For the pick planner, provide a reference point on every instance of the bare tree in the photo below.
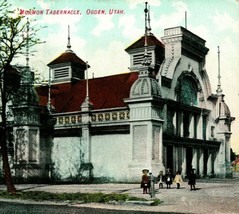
(13, 42)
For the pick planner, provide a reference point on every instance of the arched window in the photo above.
(188, 91)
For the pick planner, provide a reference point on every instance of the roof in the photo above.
(104, 92)
(67, 56)
(151, 41)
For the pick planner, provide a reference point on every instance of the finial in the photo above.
(146, 61)
(149, 27)
(69, 40)
(87, 86)
(27, 45)
(219, 90)
(186, 19)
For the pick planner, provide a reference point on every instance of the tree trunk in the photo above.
(6, 168)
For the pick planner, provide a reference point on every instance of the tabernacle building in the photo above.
(161, 114)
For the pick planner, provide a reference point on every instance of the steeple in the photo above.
(146, 61)
(27, 46)
(87, 105)
(219, 89)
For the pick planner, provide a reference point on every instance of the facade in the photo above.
(161, 114)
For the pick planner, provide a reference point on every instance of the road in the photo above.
(22, 208)
(214, 196)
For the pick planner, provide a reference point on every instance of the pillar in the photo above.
(201, 163)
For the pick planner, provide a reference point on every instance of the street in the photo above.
(214, 196)
(22, 208)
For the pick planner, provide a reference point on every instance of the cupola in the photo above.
(155, 50)
(68, 67)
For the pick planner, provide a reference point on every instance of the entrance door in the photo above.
(170, 158)
(189, 158)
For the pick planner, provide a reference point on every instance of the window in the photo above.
(204, 127)
(195, 125)
(212, 131)
(188, 92)
(170, 126)
(186, 124)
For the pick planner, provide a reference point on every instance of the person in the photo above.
(145, 181)
(168, 178)
(192, 180)
(178, 179)
(161, 179)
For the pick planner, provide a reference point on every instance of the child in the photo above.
(178, 179)
(161, 179)
(192, 180)
(168, 178)
(145, 181)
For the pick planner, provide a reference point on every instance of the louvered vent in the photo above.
(61, 73)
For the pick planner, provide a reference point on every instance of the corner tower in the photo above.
(145, 117)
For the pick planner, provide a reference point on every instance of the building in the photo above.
(161, 114)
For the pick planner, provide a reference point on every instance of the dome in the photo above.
(144, 87)
(225, 111)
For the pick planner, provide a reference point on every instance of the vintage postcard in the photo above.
(124, 96)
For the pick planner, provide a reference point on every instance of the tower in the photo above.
(26, 127)
(223, 121)
(145, 117)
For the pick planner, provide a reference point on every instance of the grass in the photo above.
(73, 197)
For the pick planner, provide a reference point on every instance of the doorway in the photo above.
(170, 158)
(189, 158)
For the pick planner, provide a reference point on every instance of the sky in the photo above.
(101, 39)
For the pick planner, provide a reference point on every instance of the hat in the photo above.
(145, 170)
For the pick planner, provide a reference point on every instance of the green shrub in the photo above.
(71, 197)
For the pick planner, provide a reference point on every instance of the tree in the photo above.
(16, 38)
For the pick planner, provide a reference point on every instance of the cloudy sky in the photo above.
(101, 39)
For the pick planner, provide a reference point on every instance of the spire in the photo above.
(69, 41)
(219, 90)
(87, 82)
(27, 46)
(49, 105)
(149, 27)
(186, 19)
(147, 32)
(87, 105)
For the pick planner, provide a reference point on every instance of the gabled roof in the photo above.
(104, 92)
(67, 56)
(151, 41)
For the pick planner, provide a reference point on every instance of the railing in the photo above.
(75, 119)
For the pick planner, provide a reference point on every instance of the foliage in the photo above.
(72, 197)
(233, 155)
(156, 202)
(16, 38)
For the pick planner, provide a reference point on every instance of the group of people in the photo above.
(167, 179)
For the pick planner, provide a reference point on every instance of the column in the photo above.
(209, 164)
(184, 164)
(194, 160)
(201, 163)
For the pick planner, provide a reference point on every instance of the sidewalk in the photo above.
(214, 196)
